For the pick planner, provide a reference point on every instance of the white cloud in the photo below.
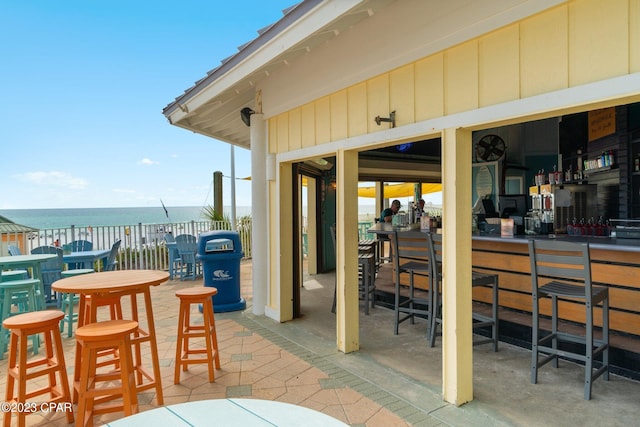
(53, 179)
(148, 162)
(123, 191)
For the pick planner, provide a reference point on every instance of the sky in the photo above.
(82, 88)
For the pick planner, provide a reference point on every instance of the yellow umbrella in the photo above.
(399, 190)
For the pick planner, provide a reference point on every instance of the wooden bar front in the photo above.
(614, 263)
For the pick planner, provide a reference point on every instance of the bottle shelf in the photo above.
(600, 170)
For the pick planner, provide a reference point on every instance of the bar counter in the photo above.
(614, 262)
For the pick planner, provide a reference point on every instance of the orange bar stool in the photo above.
(99, 388)
(93, 303)
(22, 371)
(68, 301)
(187, 331)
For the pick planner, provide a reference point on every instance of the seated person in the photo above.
(419, 209)
(387, 214)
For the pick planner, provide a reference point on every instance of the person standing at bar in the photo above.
(387, 214)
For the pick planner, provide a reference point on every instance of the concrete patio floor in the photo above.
(394, 380)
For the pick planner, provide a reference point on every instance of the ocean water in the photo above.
(65, 218)
(62, 218)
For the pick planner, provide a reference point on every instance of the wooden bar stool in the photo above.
(69, 300)
(51, 363)
(98, 388)
(187, 330)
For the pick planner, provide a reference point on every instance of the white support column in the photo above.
(457, 344)
(259, 209)
(347, 302)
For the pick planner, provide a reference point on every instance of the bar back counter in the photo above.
(614, 262)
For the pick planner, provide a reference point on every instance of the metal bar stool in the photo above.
(372, 245)
(478, 279)
(98, 388)
(561, 270)
(412, 248)
(367, 271)
(23, 371)
(187, 330)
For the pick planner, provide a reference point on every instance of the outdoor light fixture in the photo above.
(245, 115)
(391, 119)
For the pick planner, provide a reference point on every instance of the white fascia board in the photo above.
(308, 24)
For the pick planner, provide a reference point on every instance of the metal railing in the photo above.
(142, 245)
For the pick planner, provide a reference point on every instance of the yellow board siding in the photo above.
(308, 125)
(429, 84)
(357, 108)
(323, 120)
(461, 78)
(377, 102)
(573, 44)
(634, 36)
(282, 132)
(402, 90)
(499, 67)
(295, 129)
(339, 116)
(273, 135)
(544, 50)
(598, 47)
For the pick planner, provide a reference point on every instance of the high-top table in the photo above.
(230, 412)
(117, 284)
(87, 258)
(28, 262)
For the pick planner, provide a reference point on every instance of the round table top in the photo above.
(107, 281)
(27, 258)
(230, 412)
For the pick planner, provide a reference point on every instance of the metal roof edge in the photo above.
(291, 15)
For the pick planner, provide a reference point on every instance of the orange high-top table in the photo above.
(109, 284)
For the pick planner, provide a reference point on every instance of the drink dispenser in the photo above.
(540, 219)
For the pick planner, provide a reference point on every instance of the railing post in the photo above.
(139, 245)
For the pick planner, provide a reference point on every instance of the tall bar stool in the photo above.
(478, 279)
(562, 270)
(10, 275)
(367, 272)
(371, 245)
(22, 294)
(187, 330)
(98, 388)
(21, 371)
(413, 249)
(68, 301)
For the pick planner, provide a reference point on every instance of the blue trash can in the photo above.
(220, 253)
